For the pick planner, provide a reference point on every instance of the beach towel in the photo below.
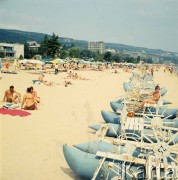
(11, 106)
(14, 112)
(8, 72)
(36, 82)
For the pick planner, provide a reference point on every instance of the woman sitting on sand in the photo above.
(29, 101)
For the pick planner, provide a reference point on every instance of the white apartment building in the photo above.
(96, 46)
(12, 50)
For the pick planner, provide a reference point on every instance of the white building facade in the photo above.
(12, 50)
(97, 46)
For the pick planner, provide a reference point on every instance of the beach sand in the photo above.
(31, 147)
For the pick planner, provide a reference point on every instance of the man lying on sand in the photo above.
(42, 81)
(76, 76)
(67, 83)
(11, 95)
(29, 101)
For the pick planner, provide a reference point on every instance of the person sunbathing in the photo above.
(67, 83)
(153, 100)
(76, 76)
(11, 95)
(29, 101)
(41, 78)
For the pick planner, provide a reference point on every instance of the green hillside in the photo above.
(16, 36)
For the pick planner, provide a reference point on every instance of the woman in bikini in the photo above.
(29, 101)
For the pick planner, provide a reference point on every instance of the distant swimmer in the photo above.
(11, 95)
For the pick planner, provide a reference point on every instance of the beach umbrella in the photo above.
(81, 61)
(36, 62)
(87, 62)
(24, 61)
(58, 61)
(97, 63)
(54, 61)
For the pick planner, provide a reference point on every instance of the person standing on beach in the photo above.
(0, 64)
(7, 66)
(56, 69)
(15, 65)
(9, 95)
(152, 71)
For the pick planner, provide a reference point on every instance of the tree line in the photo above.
(50, 47)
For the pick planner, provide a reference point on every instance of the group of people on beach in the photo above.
(75, 76)
(30, 99)
(16, 66)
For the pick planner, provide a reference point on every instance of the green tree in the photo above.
(107, 56)
(138, 58)
(64, 54)
(53, 46)
(26, 51)
(43, 50)
(33, 53)
(98, 57)
(2, 54)
(116, 57)
(85, 53)
(21, 57)
(74, 52)
(149, 60)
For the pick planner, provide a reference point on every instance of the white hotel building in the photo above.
(96, 46)
(12, 50)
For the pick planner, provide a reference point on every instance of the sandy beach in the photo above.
(31, 147)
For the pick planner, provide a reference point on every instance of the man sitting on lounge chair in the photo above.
(153, 100)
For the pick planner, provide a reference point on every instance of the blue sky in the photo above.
(143, 23)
